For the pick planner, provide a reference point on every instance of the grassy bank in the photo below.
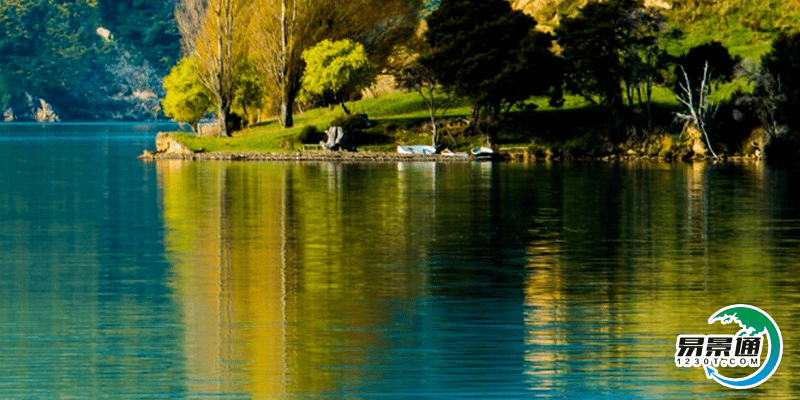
(402, 118)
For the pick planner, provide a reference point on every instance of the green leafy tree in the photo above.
(340, 68)
(592, 47)
(187, 99)
(613, 50)
(286, 28)
(249, 93)
(783, 64)
(492, 55)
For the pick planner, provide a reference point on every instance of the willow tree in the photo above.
(212, 32)
(286, 28)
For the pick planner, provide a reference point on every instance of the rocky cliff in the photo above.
(26, 108)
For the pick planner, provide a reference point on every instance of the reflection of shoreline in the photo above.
(330, 275)
(264, 270)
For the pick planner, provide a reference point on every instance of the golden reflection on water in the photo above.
(286, 273)
(273, 290)
(682, 258)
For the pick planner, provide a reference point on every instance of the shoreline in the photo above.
(168, 148)
(344, 156)
(375, 156)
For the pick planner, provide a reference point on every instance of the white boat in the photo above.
(417, 149)
(447, 152)
(482, 153)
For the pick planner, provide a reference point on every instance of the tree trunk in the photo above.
(285, 109)
(435, 140)
(344, 107)
(474, 116)
(224, 113)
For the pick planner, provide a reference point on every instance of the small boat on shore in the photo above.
(417, 150)
(483, 153)
(447, 152)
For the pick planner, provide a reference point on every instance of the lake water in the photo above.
(124, 279)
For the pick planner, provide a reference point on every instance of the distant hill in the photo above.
(89, 59)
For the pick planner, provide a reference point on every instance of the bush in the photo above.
(352, 124)
(310, 135)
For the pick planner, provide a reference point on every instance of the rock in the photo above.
(336, 139)
(167, 145)
(46, 112)
(698, 146)
(27, 108)
(146, 155)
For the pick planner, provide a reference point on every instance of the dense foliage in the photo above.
(146, 25)
(783, 63)
(53, 49)
(49, 46)
(611, 49)
(338, 68)
(187, 100)
(719, 61)
(487, 52)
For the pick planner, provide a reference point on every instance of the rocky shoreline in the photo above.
(168, 148)
(346, 156)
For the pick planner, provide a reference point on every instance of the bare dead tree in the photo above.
(423, 80)
(766, 99)
(283, 31)
(699, 109)
(769, 101)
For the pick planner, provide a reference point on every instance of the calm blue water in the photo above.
(129, 279)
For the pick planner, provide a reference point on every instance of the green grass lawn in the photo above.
(398, 113)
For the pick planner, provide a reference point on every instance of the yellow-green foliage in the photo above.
(187, 100)
(335, 66)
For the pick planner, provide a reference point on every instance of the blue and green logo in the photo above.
(740, 350)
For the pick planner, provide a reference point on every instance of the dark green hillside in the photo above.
(147, 25)
(51, 50)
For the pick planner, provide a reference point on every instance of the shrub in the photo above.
(352, 124)
(310, 135)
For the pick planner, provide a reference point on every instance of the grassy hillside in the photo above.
(745, 26)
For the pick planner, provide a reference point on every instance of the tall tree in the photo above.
(421, 79)
(286, 28)
(212, 33)
(612, 50)
(783, 63)
(487, 52)
(721, 65)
